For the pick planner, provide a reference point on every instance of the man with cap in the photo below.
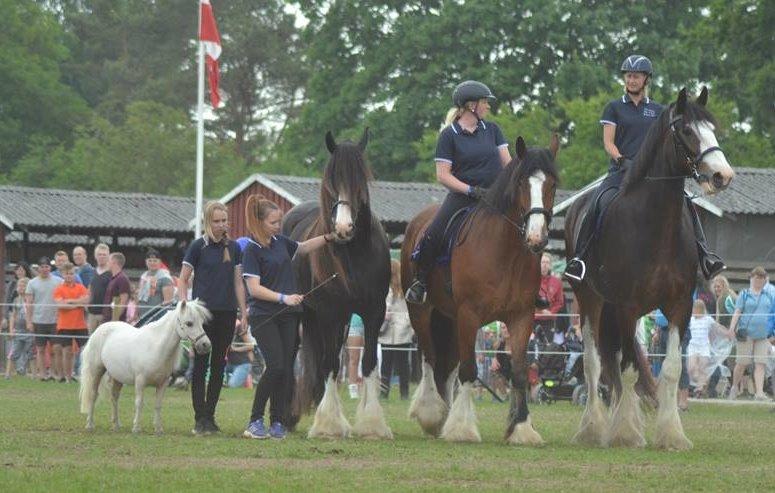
(626, 121)
(42, 312)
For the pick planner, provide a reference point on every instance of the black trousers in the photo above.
(604, 195)
(395, 356)
(278, 340)
(432, 245)
(220, 330)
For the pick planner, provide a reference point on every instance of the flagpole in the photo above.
(200, 127)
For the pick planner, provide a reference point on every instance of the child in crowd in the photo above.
(71, 298)
(21, 340)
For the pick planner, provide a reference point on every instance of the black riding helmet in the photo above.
(636, 63)
(471, 90)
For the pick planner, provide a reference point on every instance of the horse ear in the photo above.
(521, 148)
(330, 142)
(702, 99)
(680, 104)
(364, 139)
(182, 305)
(554, 145)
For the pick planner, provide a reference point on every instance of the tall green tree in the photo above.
(35, 102)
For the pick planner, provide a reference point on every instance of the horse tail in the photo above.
(91, 365)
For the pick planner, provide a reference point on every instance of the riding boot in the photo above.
(576, 268)
(710, 263)
(417, 292)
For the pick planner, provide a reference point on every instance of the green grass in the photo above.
(43, 447)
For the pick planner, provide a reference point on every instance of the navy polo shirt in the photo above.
(272, 265)
(475, 157)
(632, 122)
(214, 277)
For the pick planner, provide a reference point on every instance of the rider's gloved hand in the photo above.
(477, 192)
(624, 162)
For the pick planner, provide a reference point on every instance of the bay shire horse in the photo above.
(645, 257)
(360, 257)
(494, 274)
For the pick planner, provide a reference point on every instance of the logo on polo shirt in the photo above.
(649, 113)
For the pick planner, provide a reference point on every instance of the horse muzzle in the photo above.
(203, 345)
(537, 246)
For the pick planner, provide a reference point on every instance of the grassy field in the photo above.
(43, 447)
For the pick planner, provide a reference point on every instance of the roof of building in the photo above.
(393, 201)
(73, 211)
(751, 192)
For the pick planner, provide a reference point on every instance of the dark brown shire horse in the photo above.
(361, 259)
(495, 275)
(645, 257)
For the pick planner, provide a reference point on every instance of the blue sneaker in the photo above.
(255, 430)
(277, 430)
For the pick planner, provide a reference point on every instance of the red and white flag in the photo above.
(208, 35)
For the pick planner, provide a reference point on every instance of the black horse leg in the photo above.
(520, 430)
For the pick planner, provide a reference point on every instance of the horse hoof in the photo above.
(90, 427)
(525, 434)
(377, 430)
(136, 430)
(328, 434)
(675, 442)
(461, 435)
(159, 432)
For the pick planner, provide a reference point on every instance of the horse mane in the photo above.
(654, 149)
(503, 194)
(201, 314)
(346, 173)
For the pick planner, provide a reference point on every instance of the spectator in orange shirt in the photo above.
(550, 297)
(71, 298)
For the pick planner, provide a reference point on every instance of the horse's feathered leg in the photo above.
(369, 417)
(520, 430)
(669, 430)
(594, 421)
(329, 420)
(461, 425)
(427, 406)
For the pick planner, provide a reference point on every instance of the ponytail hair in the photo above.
(456, 112)
(210, 209)
(257, 209)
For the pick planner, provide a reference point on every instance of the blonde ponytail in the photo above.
(257, 209)
(452, 115)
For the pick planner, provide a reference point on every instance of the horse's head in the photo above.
(189, 320)
(528, 184)
(345, 188)
(693, 131)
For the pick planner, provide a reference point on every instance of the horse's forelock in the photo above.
(504, 192)
(346, 173)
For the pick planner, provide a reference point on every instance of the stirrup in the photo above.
(574, 277)
(417, 298)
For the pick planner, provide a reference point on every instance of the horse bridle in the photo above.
(521, 224)
(693, 159)
(193, 340)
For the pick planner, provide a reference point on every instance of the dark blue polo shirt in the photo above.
(214, 277)
(272, 265)
(632, 122)
(475, 157)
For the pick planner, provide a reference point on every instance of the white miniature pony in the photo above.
(141, 356)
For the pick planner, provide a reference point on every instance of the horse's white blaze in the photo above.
(427, 407)
(669, 430)
(716, 161)
(329, 418)
(594, 421)
(536, 223)
(343, 220)
(628, 422)
(369, 417)
(461, 423)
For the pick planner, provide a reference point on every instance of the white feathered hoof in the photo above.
(627, 424)
(369, 417)
(461, 423)
(525, 434)
(593, 425)
(670, 436)
(427, 407)
(329, 421)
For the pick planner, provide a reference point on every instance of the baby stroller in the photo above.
(561, 375)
